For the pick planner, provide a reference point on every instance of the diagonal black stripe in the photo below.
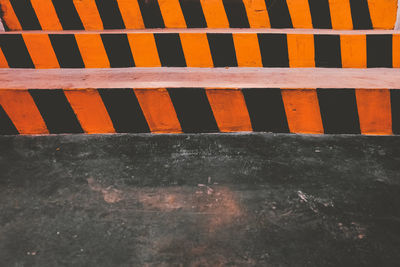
(6, 125)
(56, 111)
(67, 14)
(26, 14)
(274, 50)
(193, 110)
(110, 14)
(395, 104)
(339, 111)
(327, 51)
(169, 49)
(278, 13)
(15, 51)
(379, 51)
(360, 14)
(193, 13)
(222, 49)
(118, 50)
(151, 14)
(236, 13)
(266, 110)
(320, 14)
(66, 50)
(124, 110)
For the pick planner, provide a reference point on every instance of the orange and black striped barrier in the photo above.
(139, 14)
(188, 49)
(200, 110)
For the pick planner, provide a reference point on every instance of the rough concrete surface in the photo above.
(199, 200)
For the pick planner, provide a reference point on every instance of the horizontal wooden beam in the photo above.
(200, 77)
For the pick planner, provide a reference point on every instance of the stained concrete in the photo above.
(199, 200)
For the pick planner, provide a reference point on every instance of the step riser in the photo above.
(132, 14)
(199, 110)
(40, 50)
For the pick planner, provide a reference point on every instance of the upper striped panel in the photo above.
(138, 14)
(194, 49)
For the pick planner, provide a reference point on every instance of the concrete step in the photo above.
(175, 100)
(138, 14)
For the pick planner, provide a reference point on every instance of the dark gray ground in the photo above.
(199, 200)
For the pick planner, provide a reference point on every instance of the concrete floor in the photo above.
(199, 200)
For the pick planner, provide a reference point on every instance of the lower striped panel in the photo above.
(194, 49)
(200, 110)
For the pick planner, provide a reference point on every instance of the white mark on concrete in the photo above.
(397, 24)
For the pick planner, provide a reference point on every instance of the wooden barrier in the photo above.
(138, 14)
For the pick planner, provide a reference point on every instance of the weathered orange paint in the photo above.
(214, 13)
(158, 110)
(300, 13)
(302, 111)
(89, 14)
(172, 13)
(144, 50)
(257, 13)
(41, 50)
(301, 50)
(20, 107)
(46, 14)
(131, 14)
(396, 50)
(383, 13)
(92, 51)
(196, 50)
(230, 110)
(374, 111)
(247, 49)
(90, 111)
(341, 14)
(3, 60)
(354, 51)
(9, 16)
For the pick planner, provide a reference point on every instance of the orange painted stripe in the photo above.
(131, 14)
(300, 13)
(214, 13)
(90, 111)
(301, 50)
(92, 50)
(89, 14)
(396, 51)
(41, 50)
(20, 107)
(46, 14)
(9, 16)
(3, 60)
(354, 51)
(230, 110)
(158, 110)
(341, 14)
(257, 13)
(383, 13)
(196, 50)
(172, 13)
(247, 50)
(144, 50)
(302, 111)
(374, 111)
